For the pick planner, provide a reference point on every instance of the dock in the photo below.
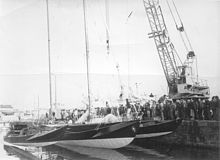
(193, 133)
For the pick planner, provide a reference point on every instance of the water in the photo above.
(131, 152)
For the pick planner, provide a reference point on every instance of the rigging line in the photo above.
(178, 56)
(107, 30)
(172, 13)
(177, 12)
(182, 25)
(108, 25)
(177, 26)
(197, 74)
(97, 34)
(128, 60)
(184, 43)
(188, 41)
(103, 18)
(119, 77)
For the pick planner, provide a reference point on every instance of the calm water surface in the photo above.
(131, 152)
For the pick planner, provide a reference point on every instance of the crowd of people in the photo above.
(67, 116)
(167, 109)
(163, 109)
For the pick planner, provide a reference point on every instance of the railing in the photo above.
(199, 82)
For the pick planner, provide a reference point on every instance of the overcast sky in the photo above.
(23, 36)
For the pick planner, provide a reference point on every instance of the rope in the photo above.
(106, 24)
(177, 12)
(177, 55)
(179, 32)
(188, 41)
(187, 38)
(184, 42)
(182, 25)
(197, 74)
(172, 13)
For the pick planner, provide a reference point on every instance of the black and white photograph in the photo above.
(109, 79)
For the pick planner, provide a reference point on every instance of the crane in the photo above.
(180, 77)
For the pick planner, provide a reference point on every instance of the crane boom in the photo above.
(164, 46)
(179, 77)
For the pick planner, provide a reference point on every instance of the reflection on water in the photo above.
(131, 152)
(54, 152)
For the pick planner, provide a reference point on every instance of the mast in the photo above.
(49, 61)
(55, 90)
(38, 105)
(87, 56)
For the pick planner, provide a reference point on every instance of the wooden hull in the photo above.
(28, 144)
(112, 136)
(110, 143)
(150, 129)
(115, 135)
(147, 129)
(36, 139)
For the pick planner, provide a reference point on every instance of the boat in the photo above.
(147, 128)
(21, 132)
(150, 129)
(111, 135)
(115, 135)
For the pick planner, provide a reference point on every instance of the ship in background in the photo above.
(6, 110)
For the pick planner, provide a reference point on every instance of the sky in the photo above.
(23, 42)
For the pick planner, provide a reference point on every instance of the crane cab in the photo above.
(187, 84)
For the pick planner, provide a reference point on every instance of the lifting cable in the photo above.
(184, 43)
(182, 29)
(177, 55)
(182, 25)
(172, 14)
(179, 32)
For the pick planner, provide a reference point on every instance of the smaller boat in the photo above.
(146, 129)
(21, 133)
(149, 129)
